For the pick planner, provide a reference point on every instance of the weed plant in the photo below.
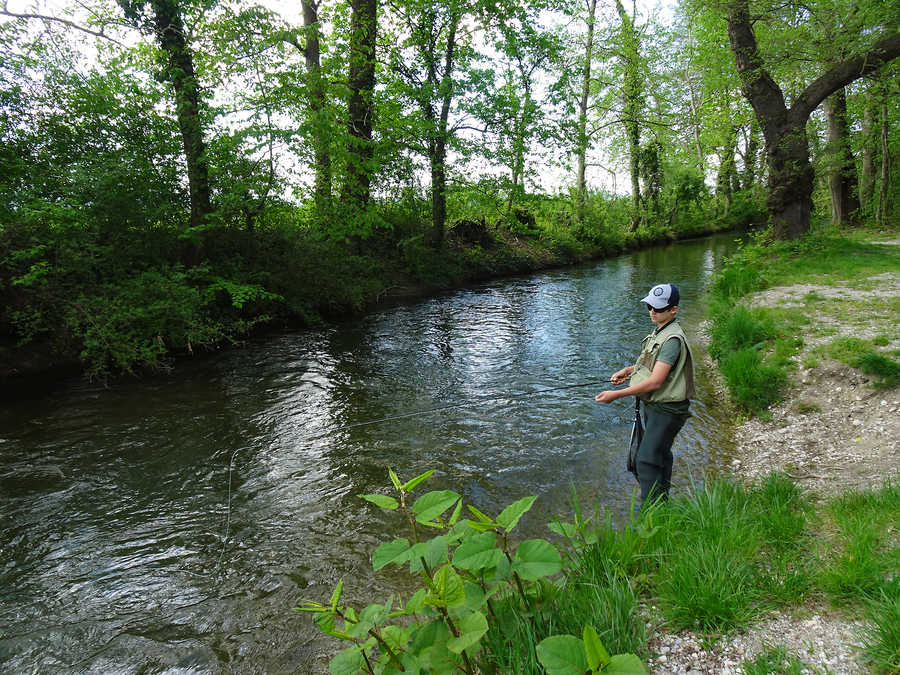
(774, 660)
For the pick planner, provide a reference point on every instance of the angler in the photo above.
(662, 382)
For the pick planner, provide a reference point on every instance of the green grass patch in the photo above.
(776, 660)
(862, 354)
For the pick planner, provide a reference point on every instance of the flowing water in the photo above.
(171, 523)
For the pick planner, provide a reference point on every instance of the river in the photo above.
(171, 523)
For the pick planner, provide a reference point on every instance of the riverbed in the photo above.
(171, 523)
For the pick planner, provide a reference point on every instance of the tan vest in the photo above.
(679, 384)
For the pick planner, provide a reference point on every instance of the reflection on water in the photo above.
(172, 523)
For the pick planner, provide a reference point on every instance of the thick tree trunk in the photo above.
(842, 183)
(582, 140)
(791, 174)
(363, 30)
(317, 106)
(169, 30)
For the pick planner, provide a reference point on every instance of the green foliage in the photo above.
(465, 569)
(881, 633)
(862, 354)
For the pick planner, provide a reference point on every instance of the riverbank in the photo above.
(256, 282)
(836, 431)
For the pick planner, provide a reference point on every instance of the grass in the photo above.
(757, 348)
(723, 557)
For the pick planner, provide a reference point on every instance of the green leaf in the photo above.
(510, 516)
(435, 551)
(384, 501)
(478, 553)
(537, 558)
(395, 479)
(567, 530)
(481, 517)
(396, 552)
(350, 661)
(562, 655)
(336, 595)
(456, 513)
(412, 483)
(471, 629)
(447, 589)
(625, 664)
(432, 504)
(597, 655)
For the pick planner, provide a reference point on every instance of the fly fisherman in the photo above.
(662, 379)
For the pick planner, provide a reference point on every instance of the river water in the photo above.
(171, 523)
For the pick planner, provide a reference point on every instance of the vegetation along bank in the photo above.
(788, 563)
(175, 175)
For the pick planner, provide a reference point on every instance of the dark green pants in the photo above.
(654, 456)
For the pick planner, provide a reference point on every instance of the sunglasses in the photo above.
(658, 311)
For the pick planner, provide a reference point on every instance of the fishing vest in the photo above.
(679, 384)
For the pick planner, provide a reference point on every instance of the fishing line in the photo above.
(390, 418)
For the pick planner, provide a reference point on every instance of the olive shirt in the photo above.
(669, 353)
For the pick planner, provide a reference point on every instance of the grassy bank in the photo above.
(712, 562)
(758, 349)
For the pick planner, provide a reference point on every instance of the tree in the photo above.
(632, 104)
(361, 106)
(842, 182)
(783, 127)
(582, 139)
(167, 24)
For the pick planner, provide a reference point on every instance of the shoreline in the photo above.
(833, 432)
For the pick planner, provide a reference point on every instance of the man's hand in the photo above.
(606, 396)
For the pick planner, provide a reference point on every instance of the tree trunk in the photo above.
(582, 140)
(727, 169)
(169, 30)
(631, 94)
(884, 188)
(790, 171)
(867, 175)
(438, 142)
(363, 31)
(750, 157)
(842, 183)
(317, 105)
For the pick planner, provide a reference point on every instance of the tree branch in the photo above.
(71, 24)
(841, 74)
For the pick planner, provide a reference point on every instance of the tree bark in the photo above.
(317, 106)
(869, 152)
(361, 106)
(169, 29)
(842, 182)
(582, 140)
(787, 151)
(884, 188)
(631, 93)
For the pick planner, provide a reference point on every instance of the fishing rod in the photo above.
(416, 413)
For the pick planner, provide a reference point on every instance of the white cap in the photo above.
(662, 295)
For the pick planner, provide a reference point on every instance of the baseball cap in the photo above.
(661, 296)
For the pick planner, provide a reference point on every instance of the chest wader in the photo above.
(653, 455)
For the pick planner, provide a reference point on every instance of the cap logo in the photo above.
(658, 290)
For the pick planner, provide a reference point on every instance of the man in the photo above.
(663, 379)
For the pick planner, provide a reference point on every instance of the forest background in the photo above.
(175, 174)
